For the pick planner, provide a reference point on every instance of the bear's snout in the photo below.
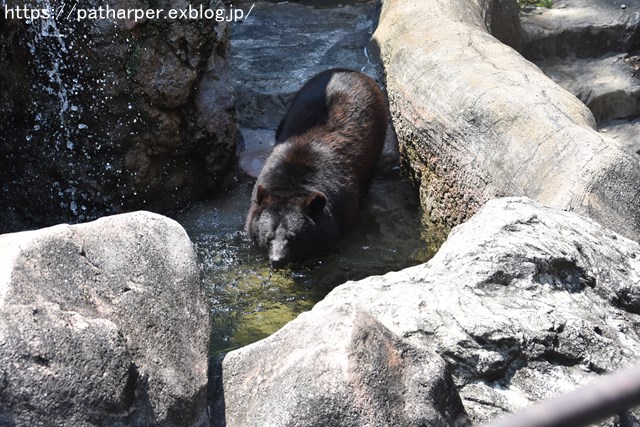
(278, 253)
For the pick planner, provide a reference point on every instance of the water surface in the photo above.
(249, 300)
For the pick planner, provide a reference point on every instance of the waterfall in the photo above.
(56, 82)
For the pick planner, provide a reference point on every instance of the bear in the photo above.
(308, 193)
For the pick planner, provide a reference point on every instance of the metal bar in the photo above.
(605, 397)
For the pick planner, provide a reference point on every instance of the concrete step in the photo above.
(626, 132)
(608, 85)
(581, 28)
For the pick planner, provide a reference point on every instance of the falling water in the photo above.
(51, 51)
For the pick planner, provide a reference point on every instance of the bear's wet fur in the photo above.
(309, 191)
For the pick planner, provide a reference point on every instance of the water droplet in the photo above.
(69, 145)
(82, 126)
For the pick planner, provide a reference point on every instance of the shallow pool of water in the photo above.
(249, 300)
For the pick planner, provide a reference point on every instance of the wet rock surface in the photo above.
(104, 323)
(522, 302)
(102, 116)
(284, 44)
(279, 48)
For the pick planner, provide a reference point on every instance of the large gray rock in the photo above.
(336, 366)
(475, 121)
(102, 116)
(522, 302)
(104, 323)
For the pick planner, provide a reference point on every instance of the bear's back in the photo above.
(344, 109)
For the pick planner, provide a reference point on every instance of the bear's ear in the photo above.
(314, 203)
(261, 194)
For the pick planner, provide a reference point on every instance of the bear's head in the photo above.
(290, 226)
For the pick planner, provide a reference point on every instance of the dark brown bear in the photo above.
(327, 146)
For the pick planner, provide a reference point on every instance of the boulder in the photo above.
(336, 366)
(476, 121)
(104, 323)
(103, 116)
(522, 302)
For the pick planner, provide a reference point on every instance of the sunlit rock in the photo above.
(104, 323)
